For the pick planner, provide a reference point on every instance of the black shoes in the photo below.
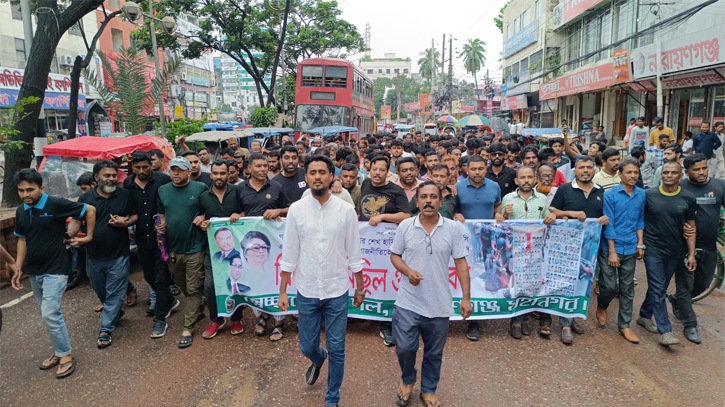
(313, 372)
(473, 333)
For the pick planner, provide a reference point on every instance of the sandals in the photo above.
(104, 336)
(185, 341)
(50, 363)
(277, 331)
(99, 308)
(545, 330)
(399, 400)
(175, 290)
(429, 403)
(69, 367)
(264, 318)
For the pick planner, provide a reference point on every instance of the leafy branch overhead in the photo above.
(498, 20)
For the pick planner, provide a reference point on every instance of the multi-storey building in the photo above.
(387, 67)
(601, 63)
(239, 87)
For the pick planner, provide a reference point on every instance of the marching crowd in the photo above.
(661, 204)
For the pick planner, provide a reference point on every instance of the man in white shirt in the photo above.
(204, 159)
(321, 240)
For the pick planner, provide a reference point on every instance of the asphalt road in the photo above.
(601, 368)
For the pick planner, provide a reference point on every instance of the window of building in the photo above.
(537, 6)
(54, 64)
(508, 31)
(114, 4)
(20, 53)
(405, 71)
(397, 71)
(387, 71)
(517, 25)
(597, 34)
(312, 75)
(117, 39)
(336, 76)
(621, 19)
(573, 47)
(16, 11)
(535, 61)
(76, 28)
(515, 69)
(370, 71)
(524, 64)
(526, 18)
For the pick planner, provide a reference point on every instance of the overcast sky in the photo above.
(405, 27)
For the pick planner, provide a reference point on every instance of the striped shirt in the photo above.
(536, 207)
(606, 181)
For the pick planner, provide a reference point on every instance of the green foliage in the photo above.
(410, 91)
(424, 62)
(8, 118)
(291, 86)
(226, 108)
(126, 88)
(498, 20)
(264, 117)
(251, 109)
(183, 127)
(474, 57)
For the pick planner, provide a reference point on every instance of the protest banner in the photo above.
(515, 267)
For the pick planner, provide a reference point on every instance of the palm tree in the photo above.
(126, 88)
(424, 62)
(474, 57)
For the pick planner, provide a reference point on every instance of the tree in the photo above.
(424, 62)
(498, 20)
(264, 116)
(126, 88)
(51, 24)
(474, 57)
(226, 108)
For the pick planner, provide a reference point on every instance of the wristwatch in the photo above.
(641, 247)
(360, 292)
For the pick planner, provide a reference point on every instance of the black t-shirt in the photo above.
(504, 179)
(568, 198)
(293, 186)
(255, 203)
(664, 219)
(43, 227)
(709, 198)
(109, 242)
(205, 178)
(390, 198)
(145, 201)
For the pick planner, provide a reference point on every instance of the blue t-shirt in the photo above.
(706, 143)
(478, 203)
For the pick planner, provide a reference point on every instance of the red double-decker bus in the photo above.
(333, 92)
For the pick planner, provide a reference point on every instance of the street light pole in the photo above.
(152, 28)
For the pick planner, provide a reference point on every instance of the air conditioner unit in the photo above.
(66, 60)
(183, 76)
(213, 82)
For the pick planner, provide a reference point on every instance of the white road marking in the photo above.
(17, 300)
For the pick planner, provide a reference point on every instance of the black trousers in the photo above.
(156, 273)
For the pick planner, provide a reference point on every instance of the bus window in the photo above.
(311, 75)
(311, 116)
(336, 76)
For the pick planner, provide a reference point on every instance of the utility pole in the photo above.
(450, 75)
(432, 66)
(443, 59)
(397, 90)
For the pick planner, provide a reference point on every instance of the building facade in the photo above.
(387, 67)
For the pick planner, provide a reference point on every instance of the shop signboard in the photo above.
(105, 128)
(696, 50)
(526, 36)
(8, 98)
(591, 79)
(567, 10)
(514, 103)
(412, 107)
(702, 78)
(512, 83)
(426, 104)
(621, 66)
(694, 122)
(179, 112)
(467, 107)
(12, 79)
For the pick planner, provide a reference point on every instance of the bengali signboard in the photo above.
(426, 104)
(568, 10)
(8, 98)
(12, 79)
(515, 267)
(412, 107)
(702, 78)
(621, 66)
(385, 112)
(467, 106)
(518, 84)
(591, 79)
(526, 36)
(697, 50)
(514, 103)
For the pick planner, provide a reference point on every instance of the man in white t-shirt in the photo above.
(687, 144)
(640, 132)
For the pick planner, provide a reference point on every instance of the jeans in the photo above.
(334, 310)
(48, 290)
(188, 274)
(608, 285)
(520, 319)
(157, 275)
(210, 294)
(659, 274)
(691, 284)
(407, 325)
(109, 279)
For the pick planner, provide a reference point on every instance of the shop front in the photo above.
(56, 102)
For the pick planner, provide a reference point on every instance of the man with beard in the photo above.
(382, 201)
(498, 172)
(479, 198)
(624, 206)
(349, 178)
(274, 158)
(545, 155)
(179, 210)
(431, 159)
(673, 152)
(261, 197)
(418, 139)
(195, 173)
(143, 185)
(204, 159)
(658, 150)
(580, 199)
(219, 202)
(40, 226)
(233, 144)
(408, 176)
(545, 177)
(608, 177)
(316, 143)
(157, 160)
(524, 203)
(421, 250)
(709, 193)
(667, 209)
(706, 142)
(322, 241)
(648, 163)
(234, 178)
(292, 178)
(449, 202)
(108, 256)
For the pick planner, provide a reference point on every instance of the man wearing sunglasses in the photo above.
(498, 172)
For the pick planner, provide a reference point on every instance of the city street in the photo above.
(246, 370)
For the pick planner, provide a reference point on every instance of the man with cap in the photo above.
(180, 211)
